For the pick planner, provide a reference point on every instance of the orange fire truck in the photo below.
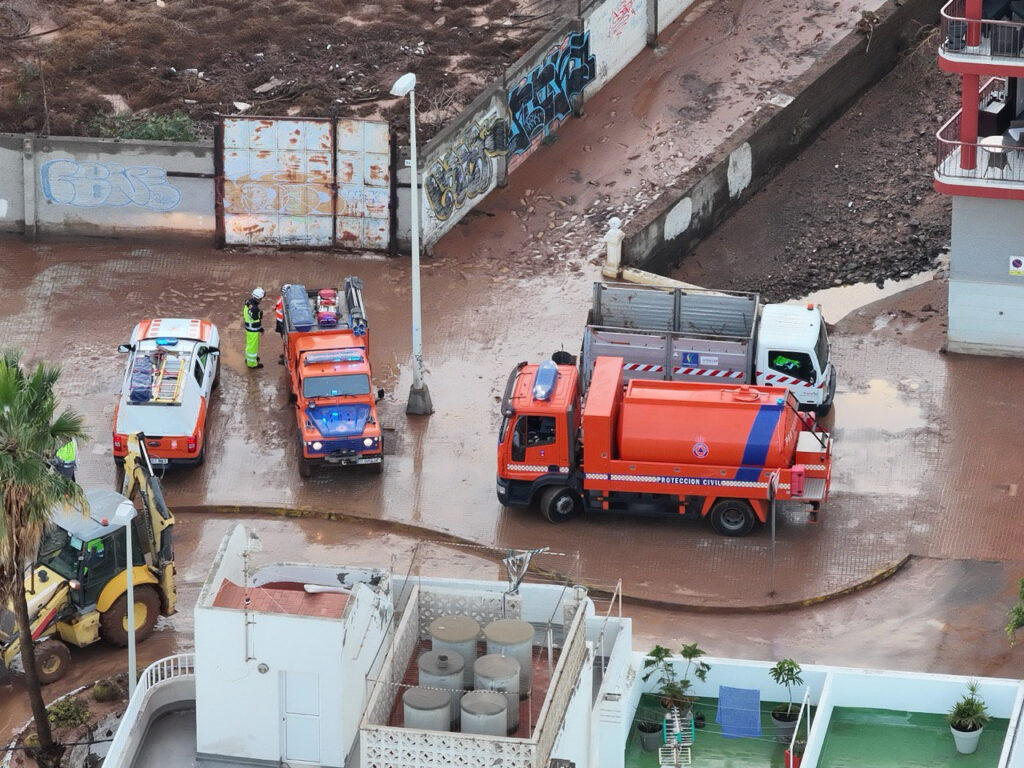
(702, 450)
(327, 351)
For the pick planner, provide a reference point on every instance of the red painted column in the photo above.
(973, 27)
(968, 121)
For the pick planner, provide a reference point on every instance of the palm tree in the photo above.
(30, 433)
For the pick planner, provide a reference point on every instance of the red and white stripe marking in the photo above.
(716, 372)
(643, 368)
(778, 378)
(680, 371)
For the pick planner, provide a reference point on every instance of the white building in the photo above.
(304, 665)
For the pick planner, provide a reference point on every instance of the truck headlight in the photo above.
(368, 441)
(317, 445)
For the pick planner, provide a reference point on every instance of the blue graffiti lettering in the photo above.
(91, 185)
(544, 97)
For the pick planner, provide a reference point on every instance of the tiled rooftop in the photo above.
(282, 597)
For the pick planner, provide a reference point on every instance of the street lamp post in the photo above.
(124, 515)
(419, 395)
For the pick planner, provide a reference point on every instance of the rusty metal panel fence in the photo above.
(363, 162)
(304, 182)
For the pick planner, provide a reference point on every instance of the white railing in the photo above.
(160, 671)
(804, 707)
(615, 600)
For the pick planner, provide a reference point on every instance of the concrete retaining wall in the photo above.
(544, 88)
(670, 229)
(80, 186)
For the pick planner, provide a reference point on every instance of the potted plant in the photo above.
(786, 672)
(673, 688)
(795, 756)
(967, 719)
(650, 734)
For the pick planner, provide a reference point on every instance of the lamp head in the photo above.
(404, 85)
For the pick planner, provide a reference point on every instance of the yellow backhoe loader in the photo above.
(77, 588)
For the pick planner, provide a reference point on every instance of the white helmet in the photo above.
(258, 293)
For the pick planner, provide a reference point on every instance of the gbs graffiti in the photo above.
(544, 97)
(91, 185)
(464, 170)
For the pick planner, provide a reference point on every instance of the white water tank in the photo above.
(514, 638)
(428, 709)
(497, 672)
(483, 713)
(444, 669)
(457, 633)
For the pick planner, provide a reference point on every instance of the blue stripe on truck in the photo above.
(758, 442)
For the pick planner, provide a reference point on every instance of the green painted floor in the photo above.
(710, 749)
(882, 738)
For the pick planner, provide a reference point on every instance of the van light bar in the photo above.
(333, 357)
(165, 341)
(544, 380)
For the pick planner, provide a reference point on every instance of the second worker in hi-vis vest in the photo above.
(252, 320)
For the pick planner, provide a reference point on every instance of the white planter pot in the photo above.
(966, 741)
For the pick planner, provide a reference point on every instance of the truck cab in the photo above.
(537, 442)
(793, 351)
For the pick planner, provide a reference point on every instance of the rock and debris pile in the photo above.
(73, 64)
(856, 206)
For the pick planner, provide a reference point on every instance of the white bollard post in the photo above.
(613, 241)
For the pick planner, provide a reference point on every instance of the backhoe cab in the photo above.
(77, 588)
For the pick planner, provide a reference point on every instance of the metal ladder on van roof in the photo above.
(169, 379)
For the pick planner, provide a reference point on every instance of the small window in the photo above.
(821, 348)
(199, 371)
(519, 440)
(540, 430)
(795, 364)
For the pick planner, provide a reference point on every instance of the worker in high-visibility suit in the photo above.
(252, 319)
(66, 460)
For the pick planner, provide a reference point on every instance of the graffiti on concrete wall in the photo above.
(464, 170)
(543, 98)
(624, 13)
(91, 185)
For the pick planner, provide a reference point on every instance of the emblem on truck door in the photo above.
(700, 450)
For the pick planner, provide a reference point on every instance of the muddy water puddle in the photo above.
(881, 407)
(837, 303)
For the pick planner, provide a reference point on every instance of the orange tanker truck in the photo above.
(677, 447)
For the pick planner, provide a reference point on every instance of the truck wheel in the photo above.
(52, 661)
(821, 411)
(114, 621)
(216, 376)
(377, 468)
(732, 517)
(559, 504)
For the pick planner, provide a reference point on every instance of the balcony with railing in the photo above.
(977, 44)
(993, 164)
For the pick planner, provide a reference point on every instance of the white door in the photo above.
(301, 718)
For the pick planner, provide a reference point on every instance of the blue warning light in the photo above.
(544, 381)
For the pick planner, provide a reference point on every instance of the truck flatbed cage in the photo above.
(679, 311)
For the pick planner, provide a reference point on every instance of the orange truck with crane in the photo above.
(714, 451)
(327, 353)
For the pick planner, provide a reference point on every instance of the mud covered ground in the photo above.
(856, 206)
(74, 60)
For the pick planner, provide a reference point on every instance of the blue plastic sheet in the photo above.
(739, 712)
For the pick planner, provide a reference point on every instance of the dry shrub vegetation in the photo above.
(333, 57)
